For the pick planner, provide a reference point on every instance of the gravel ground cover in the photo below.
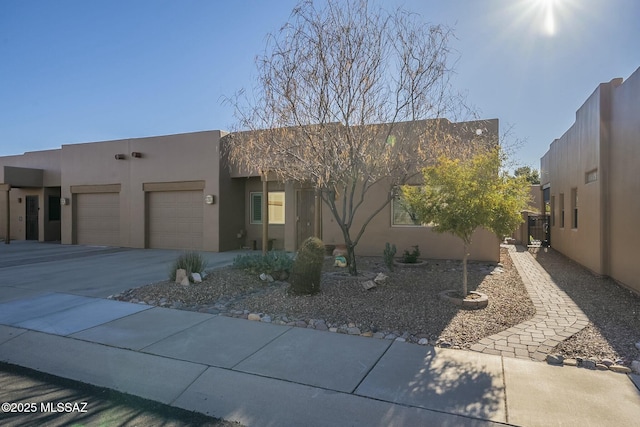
(406, 306)
(613, 311)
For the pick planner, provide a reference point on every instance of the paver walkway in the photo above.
(557, 316)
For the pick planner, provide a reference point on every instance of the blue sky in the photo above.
(79, 71)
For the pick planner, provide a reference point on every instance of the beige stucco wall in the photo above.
(564, 167)
(171, 158)
(485, 246)
(604, 138)
(624, 188)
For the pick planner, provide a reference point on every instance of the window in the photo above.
(276, 207)
(54, 208)
(561, 210)
(591, 176)
(553, 211)
(574, 208)
(401, 213)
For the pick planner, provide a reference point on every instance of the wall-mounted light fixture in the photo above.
(64, 201)
(136, 154)
(119, 156)
(209, 199)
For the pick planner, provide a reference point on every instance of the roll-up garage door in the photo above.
(175, 219)
(98, 219)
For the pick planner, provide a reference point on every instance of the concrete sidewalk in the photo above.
(270, 375)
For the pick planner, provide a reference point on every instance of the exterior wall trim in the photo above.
(173, 186)
(84, 189)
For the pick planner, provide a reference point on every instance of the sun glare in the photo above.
(549, 26)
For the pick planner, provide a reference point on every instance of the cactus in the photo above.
(307, 268)
(389, 253)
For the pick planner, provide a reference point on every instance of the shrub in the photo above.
(307, 268)
(411, 257)
(273, 261)
(192, 262)
(389, 253)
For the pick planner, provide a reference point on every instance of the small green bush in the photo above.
(411, 257)
(389, 253)
(192, 262)
(307, 268)
(272, 262)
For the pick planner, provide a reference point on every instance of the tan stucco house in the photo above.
(177, 192)
(590, 181)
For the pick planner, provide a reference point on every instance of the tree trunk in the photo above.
(351, 259)
(464, 272)
(265, 214)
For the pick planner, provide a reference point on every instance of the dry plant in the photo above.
(350, 97)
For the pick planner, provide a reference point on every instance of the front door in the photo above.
(304, 215)
(31, 218)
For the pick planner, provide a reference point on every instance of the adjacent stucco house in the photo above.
(178, 192)
(590, 180)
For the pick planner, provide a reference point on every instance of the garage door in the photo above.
(175, 219)
(98, 219)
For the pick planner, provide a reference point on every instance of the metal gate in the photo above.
(539, 230)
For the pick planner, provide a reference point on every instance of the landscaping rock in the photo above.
(570, 362)
(423, 341)
(353, 331)
(369, 284)
(555, 359)
(266, 319)
(607, 362)
(619, 368)
(400, 339)
(635, 366)
(381, 279)
(181, 274)
(601, 367)
(638, 345)
(367, 334)
(378, 335)
(588, 364)
(253, 316)
(445, 344)
(185, 281)
(196, 277)
(321, 326)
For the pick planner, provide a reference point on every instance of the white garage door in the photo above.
(98, 219)
(175, 219)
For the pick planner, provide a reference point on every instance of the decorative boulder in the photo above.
(181, 274)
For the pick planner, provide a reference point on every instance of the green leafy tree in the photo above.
(531, 175)
(461, 195)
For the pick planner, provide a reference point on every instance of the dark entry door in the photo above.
(31, 218)
(305, 215)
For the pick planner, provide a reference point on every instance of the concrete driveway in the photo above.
(30, 268)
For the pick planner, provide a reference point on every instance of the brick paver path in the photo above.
(557, 316)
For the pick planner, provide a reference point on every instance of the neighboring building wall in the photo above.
(172, 160)
(49, 162)
(597, 159)
(624, 183)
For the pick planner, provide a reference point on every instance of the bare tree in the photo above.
(341, 103)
